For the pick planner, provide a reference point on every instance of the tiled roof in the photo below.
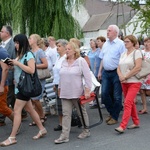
(104, 14)
(95, 22)
(98, 7)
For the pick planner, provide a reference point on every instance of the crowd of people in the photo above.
(111, 59)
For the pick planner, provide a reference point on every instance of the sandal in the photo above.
(41, 133)
(142, 112)
(43, 120)
(9, 141)
(133, 126)
(32, 124)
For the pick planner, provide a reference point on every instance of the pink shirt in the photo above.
(70, 84)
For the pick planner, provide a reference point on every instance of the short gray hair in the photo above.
(63, 42)
(116, 28)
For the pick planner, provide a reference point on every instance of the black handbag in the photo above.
(75, 120)
(29, 84)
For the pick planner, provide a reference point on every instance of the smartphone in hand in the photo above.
(6, 61)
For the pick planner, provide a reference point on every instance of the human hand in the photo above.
(14, 62)
(99, 76)
(87, 93)
(122, 78)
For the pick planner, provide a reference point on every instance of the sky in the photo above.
(140, 1)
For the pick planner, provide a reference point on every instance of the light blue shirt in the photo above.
(92, 58)
(97, 61)
(111, 53)
(18, 70)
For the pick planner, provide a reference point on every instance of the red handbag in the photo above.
(82, 99)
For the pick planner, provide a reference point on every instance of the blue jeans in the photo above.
(112, 93)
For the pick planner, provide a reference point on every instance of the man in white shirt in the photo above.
(51, 53)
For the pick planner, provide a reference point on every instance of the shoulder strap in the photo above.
(25, 60)
(134, 55)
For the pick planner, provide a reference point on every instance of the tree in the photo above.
(44, 17)
(142, 15)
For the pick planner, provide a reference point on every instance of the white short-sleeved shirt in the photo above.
(127, 63)
(57, 68)
(51, 56)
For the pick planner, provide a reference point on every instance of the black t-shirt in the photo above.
(3, 55)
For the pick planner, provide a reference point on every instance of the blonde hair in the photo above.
(51, 38)
(76, 41)
(75, 48)
(39, 40)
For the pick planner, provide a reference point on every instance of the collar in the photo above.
(114, 41)
(5, 43)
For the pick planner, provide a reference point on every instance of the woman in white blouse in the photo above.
(129, 66)
(71, 88)
(61, 49)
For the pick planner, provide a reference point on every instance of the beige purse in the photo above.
(43, 73)
(145, 70)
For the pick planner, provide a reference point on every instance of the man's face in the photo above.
(111, 33)
(4, 34)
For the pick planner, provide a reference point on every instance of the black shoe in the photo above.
(93, 106)
(24, 116)
(58, 128)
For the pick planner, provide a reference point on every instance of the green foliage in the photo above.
(143, 15)
(44, 17)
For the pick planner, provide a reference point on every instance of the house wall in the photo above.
(92, 35)
(81, 15)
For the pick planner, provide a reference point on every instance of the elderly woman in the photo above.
(71, 88)
(127, 70)
(61, 49)
(92, 54)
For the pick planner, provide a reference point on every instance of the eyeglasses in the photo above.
(127, 41)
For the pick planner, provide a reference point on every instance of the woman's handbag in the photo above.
(145, 69)
(43, 73)
(75, 120)
(29, 84)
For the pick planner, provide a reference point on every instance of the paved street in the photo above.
(103, 137)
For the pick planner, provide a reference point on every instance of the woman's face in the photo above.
(128, 43)
(70, 51)
(137, 46)
(31, 40)
(147, 44)
(92, 44)
(60, 48)
(17, 46)
(100, 43)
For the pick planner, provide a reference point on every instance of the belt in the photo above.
(111, 70)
